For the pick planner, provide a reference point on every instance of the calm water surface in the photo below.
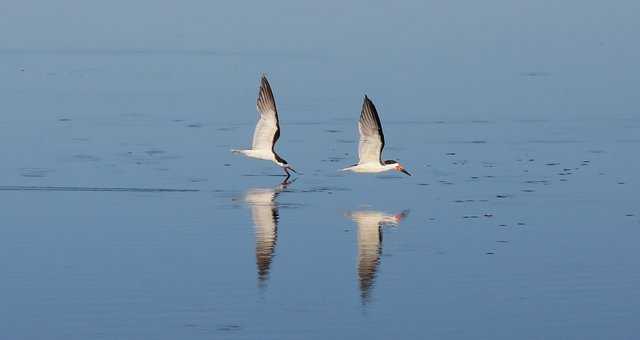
(125, 216)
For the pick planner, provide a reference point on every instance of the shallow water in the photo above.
(125, 216)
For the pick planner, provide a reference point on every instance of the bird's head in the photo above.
(281, 162)
(397, 167)
(401, 168)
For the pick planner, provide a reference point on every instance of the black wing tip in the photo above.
(264, 86)
(367, 100)
(264, 80)
(367, 104)
(265, 100)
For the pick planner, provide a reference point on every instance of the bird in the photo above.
(371, 143)
(267, 130)
(370, 223)
(265, 216)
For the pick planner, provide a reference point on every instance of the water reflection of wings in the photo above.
(370, 245)
(264, 212)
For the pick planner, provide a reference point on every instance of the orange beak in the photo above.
(401, 169)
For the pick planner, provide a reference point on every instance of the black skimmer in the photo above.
(264, 213)
(370, 225)
(267, 130)
(372, 143)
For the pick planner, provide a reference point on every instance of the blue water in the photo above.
(125, 216)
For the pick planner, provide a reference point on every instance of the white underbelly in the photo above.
(261, 154)
(368, 167)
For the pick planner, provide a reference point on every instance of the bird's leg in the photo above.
(286, 172)
(285, 182)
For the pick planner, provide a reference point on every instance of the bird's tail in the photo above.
(241, 152)
(349, 168)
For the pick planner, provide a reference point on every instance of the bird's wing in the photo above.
(371, 136)
(265, 218)
(267, 129)
(264, 212)
(266, 223)
(262, 204)
(369, 248)
(367, 219)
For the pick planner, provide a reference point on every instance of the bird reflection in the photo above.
(264, 212)
(370, 225)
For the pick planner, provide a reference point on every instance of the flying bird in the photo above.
(267, 130)
(372, 143)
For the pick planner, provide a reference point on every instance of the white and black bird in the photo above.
(371, 143)
(267, 130)
(370, 225)
(265, 216)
